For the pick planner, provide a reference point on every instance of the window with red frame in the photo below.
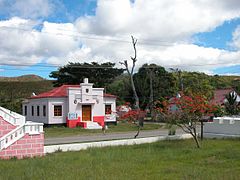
(108, 109)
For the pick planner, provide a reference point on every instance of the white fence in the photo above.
(16, 134)
(123, 142)
(12, 117)
(223, 127)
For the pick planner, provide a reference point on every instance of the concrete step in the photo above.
(93, 125)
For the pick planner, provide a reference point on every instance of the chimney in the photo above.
(85, 80)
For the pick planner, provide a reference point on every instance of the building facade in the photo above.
(75, 105)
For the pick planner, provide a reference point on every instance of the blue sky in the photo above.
(38, 36)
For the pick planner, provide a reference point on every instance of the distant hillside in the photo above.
(24, 78)
(12, 93)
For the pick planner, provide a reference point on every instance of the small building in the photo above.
(74, 105)
(219, 96)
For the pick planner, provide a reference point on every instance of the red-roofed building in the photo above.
(75, 105)
(219, 97)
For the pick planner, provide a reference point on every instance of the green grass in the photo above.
(121, 127)
(218, 159)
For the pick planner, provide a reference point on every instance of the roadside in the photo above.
(108, 136)
(51, 132)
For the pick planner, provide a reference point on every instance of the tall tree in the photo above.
(178, 73)
(196, 83)
(121, 86)
(154, 82)
(74, 73)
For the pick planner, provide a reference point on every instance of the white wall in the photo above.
(36, 102)
(78, 97)
(49, 103)
(57, 119)
(98, 109)
(74, 97)
(223, 125)
(110, 101)
(122, 142)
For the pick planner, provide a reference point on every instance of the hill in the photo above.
(14, 92)
(24, 78)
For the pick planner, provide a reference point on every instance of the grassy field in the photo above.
(121, 127)
(218, 159)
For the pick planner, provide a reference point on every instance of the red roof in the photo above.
(219, 95)
(61, 92)
(109, 95)
(56, 92)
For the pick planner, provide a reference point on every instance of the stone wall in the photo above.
(28, 146)
(5, 127)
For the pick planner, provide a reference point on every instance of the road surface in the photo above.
(107, 136)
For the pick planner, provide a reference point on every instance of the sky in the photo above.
(38, 36)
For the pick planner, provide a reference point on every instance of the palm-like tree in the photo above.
(231, 104)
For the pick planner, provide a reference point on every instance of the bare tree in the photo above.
(140, 117)
(131, 71)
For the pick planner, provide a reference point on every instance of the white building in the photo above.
(76, 105)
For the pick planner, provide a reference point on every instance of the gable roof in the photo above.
(60, 92)
(220, 95)
(55, 93)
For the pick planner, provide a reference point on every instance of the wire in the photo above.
(144, 42)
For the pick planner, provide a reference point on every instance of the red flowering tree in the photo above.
(136, 117)
(188, 113)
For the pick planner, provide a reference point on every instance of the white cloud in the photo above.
(23, 44)
(164, 29)
(159, 20)
(18, 46)
(236, 38)
(169, 25)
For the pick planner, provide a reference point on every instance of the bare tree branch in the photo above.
(125, 63)
(130, 73)
(134, 59)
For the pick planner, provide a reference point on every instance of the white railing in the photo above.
(226, 120)
(33, 128)
(110, 117)
(30, 128)
(12, 117)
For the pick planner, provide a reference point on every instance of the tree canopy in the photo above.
(196, 83)
(74, 73)
(163, 83)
